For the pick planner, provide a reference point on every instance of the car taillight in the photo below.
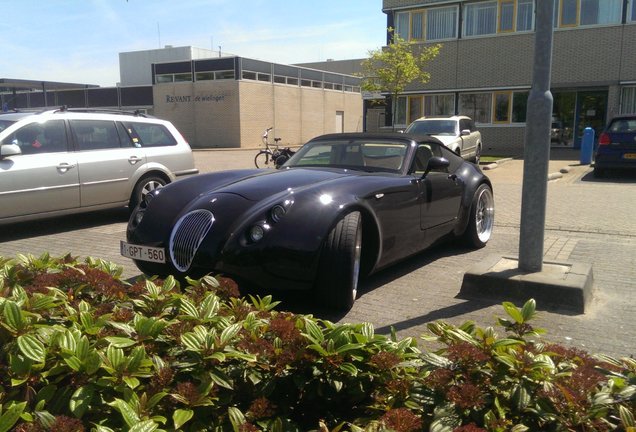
(604, 139)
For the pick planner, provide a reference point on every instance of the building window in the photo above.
(501, 107)
(519, 106)
(400, 111)
(506, 15)
(628, 100)
(476, 105)
(162, 79)
(224, 75)
(249, 75)
(572, 13)
(415, 108)
(441, 23)
(525, 15)
(403, 25)
(428, 24)
(439, 105)
(480, 18)
(632, 16)
(204, 76)
(183, 77)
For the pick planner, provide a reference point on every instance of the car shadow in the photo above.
(297, 302)
(611, 176)
(60, 224)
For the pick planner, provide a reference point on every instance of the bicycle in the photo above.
(272, 154)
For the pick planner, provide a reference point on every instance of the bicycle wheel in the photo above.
(263, 159)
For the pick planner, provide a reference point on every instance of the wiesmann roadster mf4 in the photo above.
(344, 206)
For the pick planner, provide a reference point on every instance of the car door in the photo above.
(440, 189)
(44, 178)
(106, 166)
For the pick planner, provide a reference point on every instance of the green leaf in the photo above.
(144, 426)
(32, 348)
(10, 416)
(627, 417)
(349, 347)
(13, 316)
(528, 310)
(73, 362)
(236, 418)
(120, 342)
(349, 369)
(128, 413)
(229, 332)
(81, 400)
(189, 308)
(507, 342)
(513, 312)
(115, 356)
(181, 417)
(135, 359)
(313, 331)
(131, 382)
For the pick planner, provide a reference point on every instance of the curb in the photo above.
(494, 165)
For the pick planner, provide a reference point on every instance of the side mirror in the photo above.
(7, 150)
(436, 163)
(465, 132)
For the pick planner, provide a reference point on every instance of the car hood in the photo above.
(260, 186)
(446, 139)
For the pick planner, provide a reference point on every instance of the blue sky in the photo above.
(79, 40)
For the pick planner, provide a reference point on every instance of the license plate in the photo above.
(629, 156)
(142, 253)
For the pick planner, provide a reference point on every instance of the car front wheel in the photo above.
(339, 270)
(482, 217)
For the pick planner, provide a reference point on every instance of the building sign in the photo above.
(197, 98)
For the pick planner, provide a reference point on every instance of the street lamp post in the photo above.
(537, 145)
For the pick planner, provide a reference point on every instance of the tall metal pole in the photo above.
(537, 144)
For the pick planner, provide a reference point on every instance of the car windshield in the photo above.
(365, 155)
(5, 124)
(433, 127)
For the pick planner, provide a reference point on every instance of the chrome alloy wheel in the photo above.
(485, 215)
(149, 187)
(355, 273)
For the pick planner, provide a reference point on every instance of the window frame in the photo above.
(560, 5)
(513, 21)
(408, 34)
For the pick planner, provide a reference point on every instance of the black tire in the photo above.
(477, 157)
(263, 159)
(599, 172)
(280, 160)
(339, 269)
(482, 217)
(143, 186)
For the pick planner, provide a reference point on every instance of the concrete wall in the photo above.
(234, 114)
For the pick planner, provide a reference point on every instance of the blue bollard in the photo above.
(587, 146)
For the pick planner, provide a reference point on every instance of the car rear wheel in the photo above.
(477, 158)
(599, 172)
(482, 217)
(143, 187)
(339, 270)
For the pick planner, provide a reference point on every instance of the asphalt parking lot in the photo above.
(588, 220)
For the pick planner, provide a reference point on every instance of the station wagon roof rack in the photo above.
(136, 113)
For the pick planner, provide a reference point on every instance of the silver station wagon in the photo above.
(65, 161)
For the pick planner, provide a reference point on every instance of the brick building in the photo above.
(484, 68)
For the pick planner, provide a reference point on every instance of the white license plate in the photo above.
(142, 253)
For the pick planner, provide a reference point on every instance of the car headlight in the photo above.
(277, 212)
(256, 233)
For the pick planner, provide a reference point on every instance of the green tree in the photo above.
(392, 68)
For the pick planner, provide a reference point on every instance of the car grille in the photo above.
(186, 237)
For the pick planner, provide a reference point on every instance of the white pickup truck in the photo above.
(458, 133)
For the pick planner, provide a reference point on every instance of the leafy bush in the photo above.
(81, 349)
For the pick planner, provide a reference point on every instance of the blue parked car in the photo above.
(616, 145)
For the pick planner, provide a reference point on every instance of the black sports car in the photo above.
(344, 206)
